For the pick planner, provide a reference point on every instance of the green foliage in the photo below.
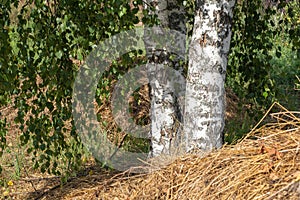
(236, 129)
(248, 65)
(286, 68)
(40, 41)
(138, 145)
(292, 19)
(37, 51)
(3, 132)
(8, 75)
(251, 69)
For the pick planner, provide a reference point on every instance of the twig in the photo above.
(30, 180)
(38, 178)
(255, 127)
(119, 146)
(46, 192)
(148, 4)
(277, 133)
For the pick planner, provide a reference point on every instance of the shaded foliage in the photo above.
(256, 26)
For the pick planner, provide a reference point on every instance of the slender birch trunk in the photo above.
(164, 114)
(204, 100)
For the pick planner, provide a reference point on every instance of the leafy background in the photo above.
(42, 45)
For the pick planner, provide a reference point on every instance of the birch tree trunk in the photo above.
(164, 115)
(204, 100)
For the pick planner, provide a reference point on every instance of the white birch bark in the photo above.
(204, 100)
(163, 112)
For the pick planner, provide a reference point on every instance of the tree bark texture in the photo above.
(204, 100)
(165, 115)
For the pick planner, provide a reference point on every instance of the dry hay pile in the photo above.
(264, 165)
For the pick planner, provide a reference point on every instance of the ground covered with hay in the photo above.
(263, 165)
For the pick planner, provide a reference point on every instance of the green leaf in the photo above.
(265, 94)
(59, 54)
(122, 12)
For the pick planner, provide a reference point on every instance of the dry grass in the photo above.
(264, 165)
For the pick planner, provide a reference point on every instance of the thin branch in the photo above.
(30, 181)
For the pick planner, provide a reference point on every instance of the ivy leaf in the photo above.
(122, 12)
(265, 94)
(59, 54)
